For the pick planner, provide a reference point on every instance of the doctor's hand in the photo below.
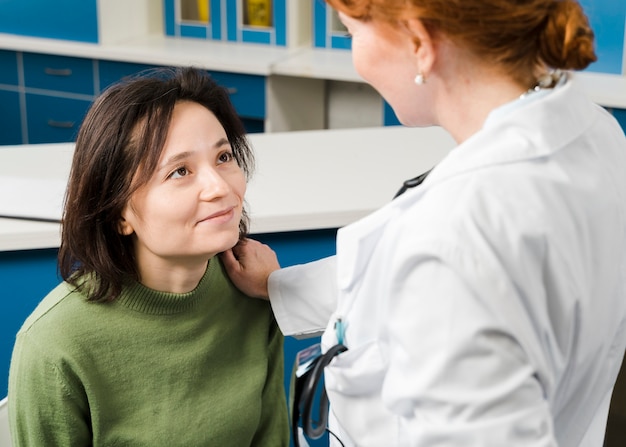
(249, 264)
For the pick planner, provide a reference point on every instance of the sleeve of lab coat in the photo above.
(304, 296)
(457, 375)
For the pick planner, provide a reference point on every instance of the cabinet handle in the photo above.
(231, 90)
(58, 71)
(61, 124)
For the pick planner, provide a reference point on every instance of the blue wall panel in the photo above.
(608, 20)
(58, 19)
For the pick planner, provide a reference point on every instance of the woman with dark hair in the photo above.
(485, 306)
(146, 342)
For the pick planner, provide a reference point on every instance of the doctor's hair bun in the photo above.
(568, 40)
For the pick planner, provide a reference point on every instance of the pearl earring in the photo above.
(420, 79)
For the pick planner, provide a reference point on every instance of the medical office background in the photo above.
(286, 64)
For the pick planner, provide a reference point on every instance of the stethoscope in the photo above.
(308, 383)
(412, 183)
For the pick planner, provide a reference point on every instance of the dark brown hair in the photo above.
(518, 35)
(117, 149)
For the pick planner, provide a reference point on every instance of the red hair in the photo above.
(519, 35)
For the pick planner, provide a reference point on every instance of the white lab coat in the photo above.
(486, 307)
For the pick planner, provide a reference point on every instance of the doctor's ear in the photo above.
(425, 50)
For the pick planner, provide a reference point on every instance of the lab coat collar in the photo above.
(529, 132)
(528, 129)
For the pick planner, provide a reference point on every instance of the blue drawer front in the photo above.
(53, 119)
(111, 72)
(247, 92)
(8, 67)
(10, 121)
(60, 73)
(59, 19)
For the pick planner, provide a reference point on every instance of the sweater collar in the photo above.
(137, 297)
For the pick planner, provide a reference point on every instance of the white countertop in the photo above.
(303, 180)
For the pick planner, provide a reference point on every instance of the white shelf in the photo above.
(158, 50)
(608, 90)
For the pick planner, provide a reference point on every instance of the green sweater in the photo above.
(204, 368)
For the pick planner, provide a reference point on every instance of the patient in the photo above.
(146, 342)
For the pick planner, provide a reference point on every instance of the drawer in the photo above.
(8, 67)
(53, 119)
(10, 118)
(60, 73)
(247, 92)
(111, 71)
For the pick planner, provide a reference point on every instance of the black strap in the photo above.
(412, 183)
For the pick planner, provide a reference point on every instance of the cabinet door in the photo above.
(26, 277)
(8, 67)
(52, 119)
(59, 19)
(112, 71)
(10, 118)
(247, 92)
(299, 247)
(10, 115)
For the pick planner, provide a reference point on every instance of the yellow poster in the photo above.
(203, 10)
(259, 12)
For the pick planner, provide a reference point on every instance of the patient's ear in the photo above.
(124, 227)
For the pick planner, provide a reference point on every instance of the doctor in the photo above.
(486, 306)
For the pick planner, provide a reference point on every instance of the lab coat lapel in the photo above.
(356, 243)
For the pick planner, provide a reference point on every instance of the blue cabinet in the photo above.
(110, 72)
(328, 31)
(59, 73)
(200, 19)
(58, 92)
(250, 21)
(54, 118)
(8, 73)
(257, 21)
(49, 102)
(26, 277)
(247, 92)
(10, 119)
(59, 19)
